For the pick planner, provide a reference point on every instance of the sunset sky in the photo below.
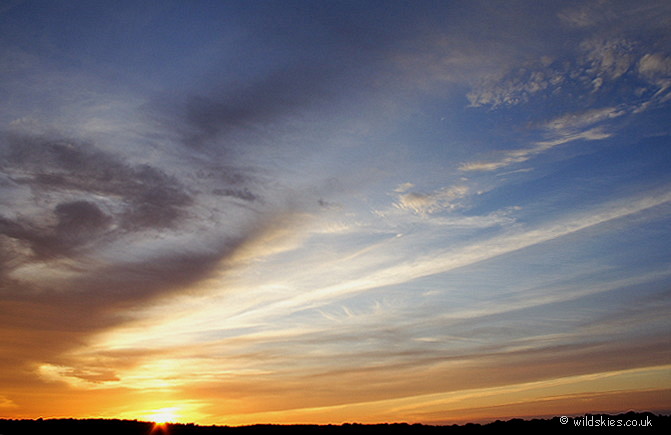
(239, 212)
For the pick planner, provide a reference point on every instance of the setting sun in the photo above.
(164, 415)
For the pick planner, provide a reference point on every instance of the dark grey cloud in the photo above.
(81, 199)
(67, 202)
(54, 316)
(308, 56)
(244, 193)
(149, 197)
(77, 223)
(242, 106)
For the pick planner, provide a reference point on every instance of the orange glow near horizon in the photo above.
(643, 389)
(159, 428)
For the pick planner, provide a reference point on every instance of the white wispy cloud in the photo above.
(582, 125)
(446, 198)
(561, 130)
(438, 261)
(523, 154)
(656, 68)
(572, 122)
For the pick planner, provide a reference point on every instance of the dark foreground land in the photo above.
(640, 422)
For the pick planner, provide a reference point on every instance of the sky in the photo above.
(323, 212)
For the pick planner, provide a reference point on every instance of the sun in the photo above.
(163, 416)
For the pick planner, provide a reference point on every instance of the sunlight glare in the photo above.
(164, 415)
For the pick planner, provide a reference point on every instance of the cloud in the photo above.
(92, 229)
(59, 307)
(564, 129)
(84, 193)
(612, 51)
(77, 223)
(76, 377)
(87, 236)
(204, 119)
(516, 87)
(421, 380)
(7, 403)
(493, 166)
(652, 65)
(586, 15)
(581, 125)
(404, 187)
(596, 133)
(607, 59)
(449, 260)
(560, 131)
(428, 203)
(572, 122)
(615, 17)
(656, 68)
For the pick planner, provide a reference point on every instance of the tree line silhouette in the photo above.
(134, 427)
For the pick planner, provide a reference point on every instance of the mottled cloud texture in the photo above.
(77, 210)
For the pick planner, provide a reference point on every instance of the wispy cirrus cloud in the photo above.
(563, 130)
(428, 203)
(439, 261)
(656, 68)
